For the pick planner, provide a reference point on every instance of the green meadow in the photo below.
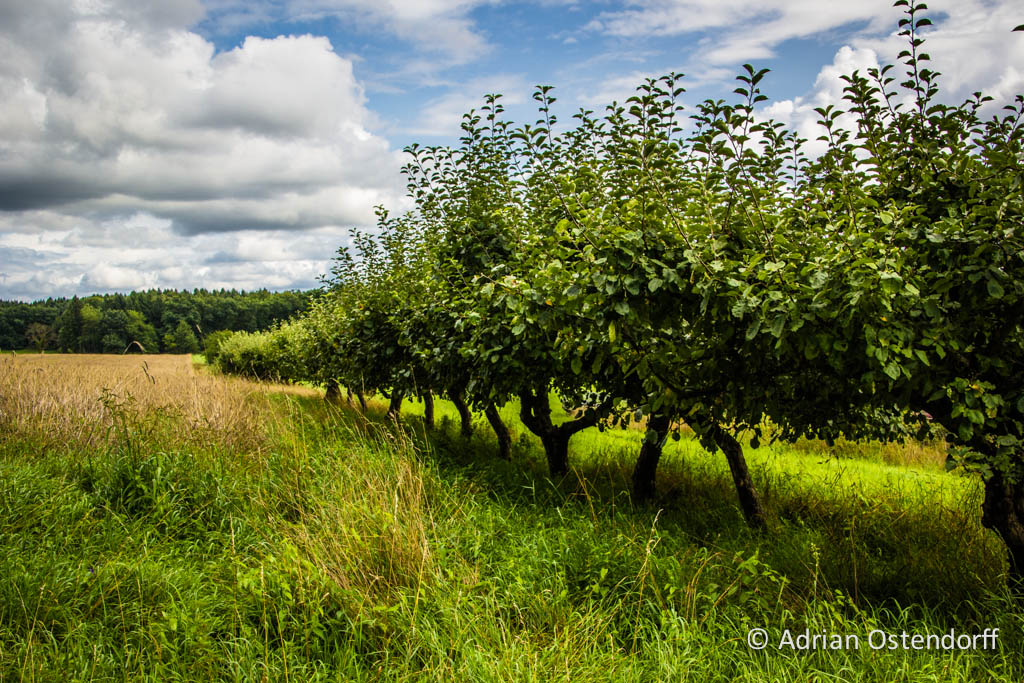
(159, 522)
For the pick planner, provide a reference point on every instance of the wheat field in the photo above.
(87, 399)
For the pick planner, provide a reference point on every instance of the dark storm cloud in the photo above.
(23, 194)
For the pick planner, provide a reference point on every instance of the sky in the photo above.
(235, 143)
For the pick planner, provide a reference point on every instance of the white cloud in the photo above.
(972, 46)
(974, 28)
(736, 31)
(442, 116)
(436, 26)
(63, 256)
(752, 28)
(109, 111)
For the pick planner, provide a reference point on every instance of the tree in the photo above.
(91, 338)
(212, 344)
(477, 202)
(69, 326)
(181, 340)
(40, 336)
(927, 278)
(136, 329)
(112, 342)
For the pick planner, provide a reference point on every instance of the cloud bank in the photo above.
(115, 110)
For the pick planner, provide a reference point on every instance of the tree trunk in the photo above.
(1003, 512)
(500, 431)
(750, 502)
(333, 393)
(465, 416)
(535, 413)
(646, 468)
(395, 407)
(428, 410)
(556, 448)
(362, 400)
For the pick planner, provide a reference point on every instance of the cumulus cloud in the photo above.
(112, 114)
(737, 31)
(114, 110)
(978, 28)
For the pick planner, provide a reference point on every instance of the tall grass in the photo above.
(300, 541)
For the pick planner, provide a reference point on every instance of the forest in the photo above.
(168, 321)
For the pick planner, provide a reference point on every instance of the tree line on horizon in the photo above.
(151, 321)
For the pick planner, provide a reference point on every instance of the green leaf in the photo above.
(892, 370)
(891, 282)
(995, 290)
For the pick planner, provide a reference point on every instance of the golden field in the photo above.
(86, 399)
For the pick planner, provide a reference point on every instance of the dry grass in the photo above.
(369, 531)
(910, 453)
(85, 399)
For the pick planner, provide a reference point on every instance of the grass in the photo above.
(204, 528)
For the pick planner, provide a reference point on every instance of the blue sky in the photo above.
(523, 44)
(231, 143)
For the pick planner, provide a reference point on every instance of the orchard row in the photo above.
(667, 264)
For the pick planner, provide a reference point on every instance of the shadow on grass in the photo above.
(892, 547)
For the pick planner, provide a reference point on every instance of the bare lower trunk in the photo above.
(535, 413)
(556, 448)
(395, 407)
(750, 502)
(333, 393)
(1003, 512)
(465, 416)
(428, 410)
(500, 431)
(645, 471)
(362, 400)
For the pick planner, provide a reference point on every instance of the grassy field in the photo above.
(158, 522)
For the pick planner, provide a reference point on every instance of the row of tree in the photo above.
(652, 265)
(152, 321)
